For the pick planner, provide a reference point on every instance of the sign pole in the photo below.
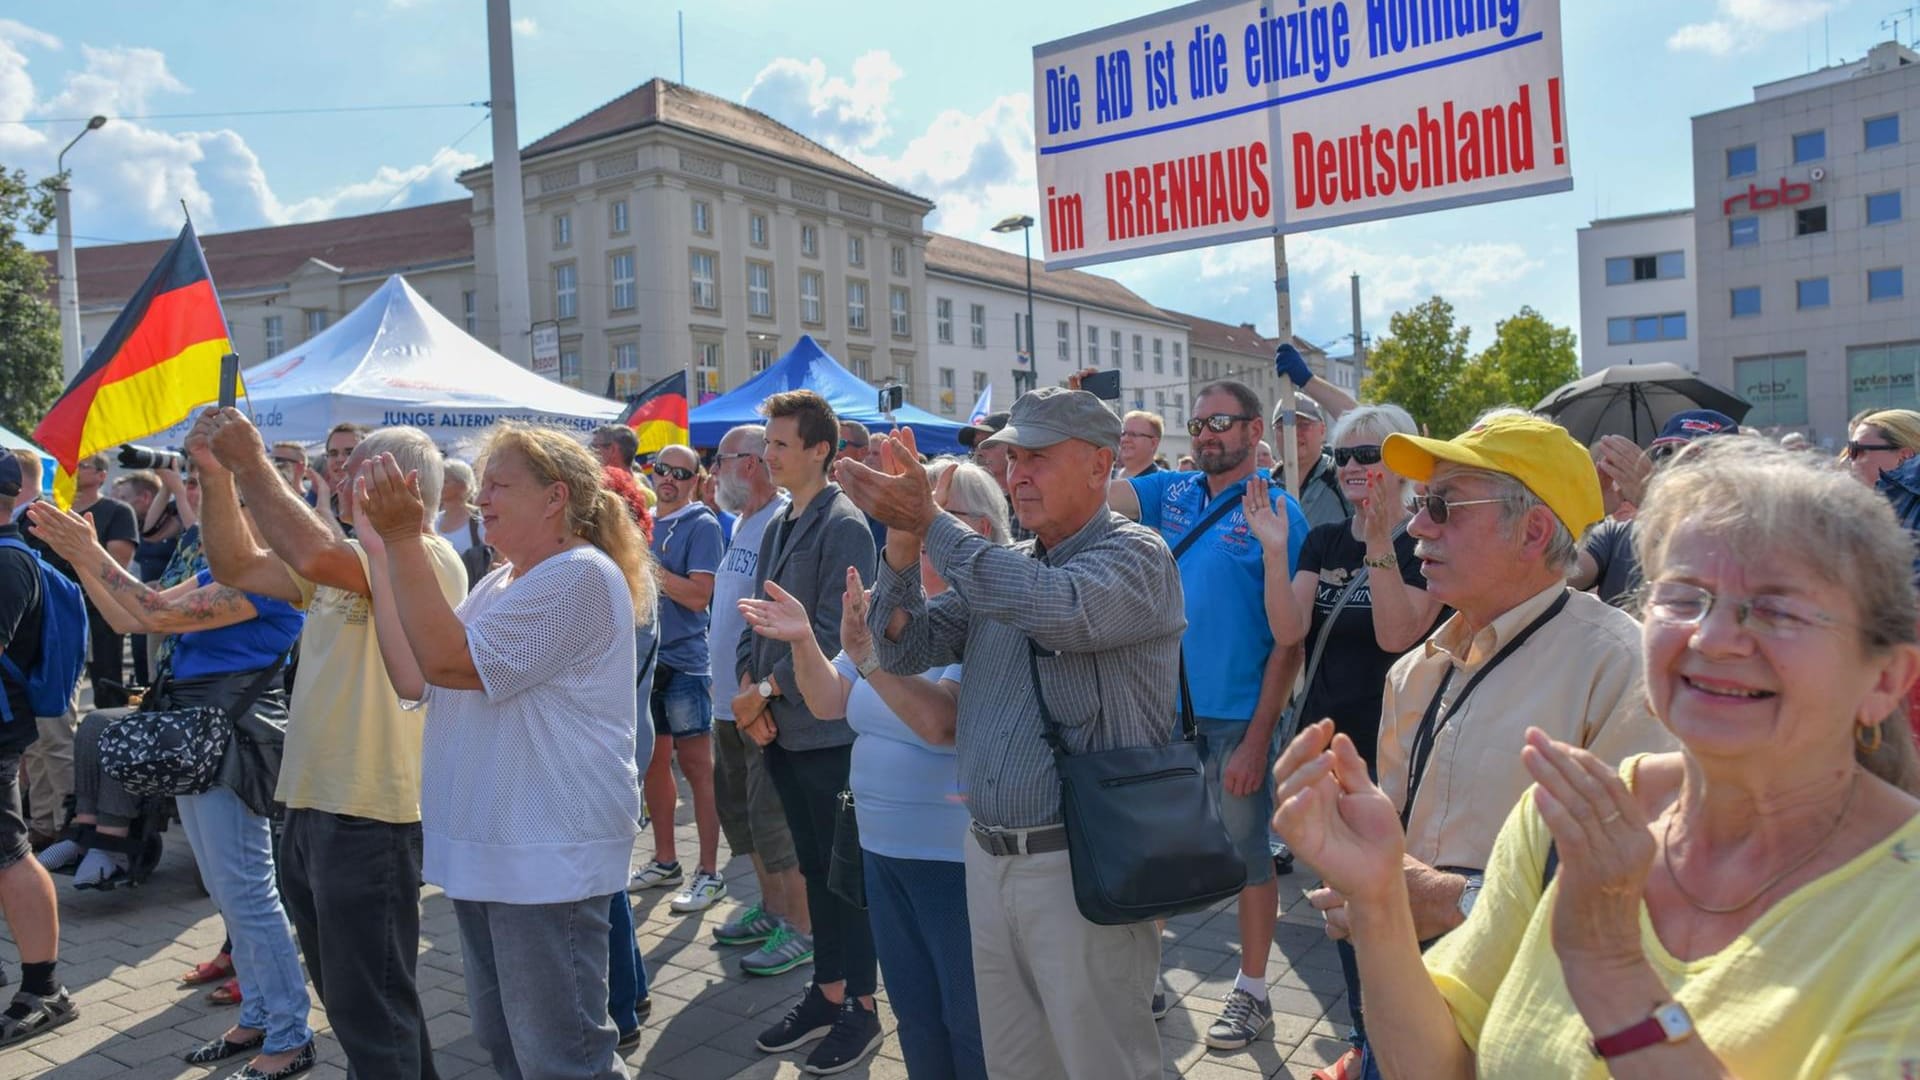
(1283, 303)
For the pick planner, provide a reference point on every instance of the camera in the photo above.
(146, 457)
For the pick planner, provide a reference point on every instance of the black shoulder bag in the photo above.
(177, 751)
(1144, 836)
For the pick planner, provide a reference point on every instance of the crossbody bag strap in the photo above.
(1434, 721)
(257, 687)
(1320, 648)
(1200, 530)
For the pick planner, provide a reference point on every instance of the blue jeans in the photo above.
(918, 909)
(626, 968)
(234, 847)
(1247, 817)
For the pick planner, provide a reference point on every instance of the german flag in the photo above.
(658, 414)
(159, 360)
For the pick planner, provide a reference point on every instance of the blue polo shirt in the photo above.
(1228, 639)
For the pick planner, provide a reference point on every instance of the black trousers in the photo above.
(352, 890)
(106, 667)
(810, 783)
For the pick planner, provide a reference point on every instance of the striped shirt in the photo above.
(1107, 601)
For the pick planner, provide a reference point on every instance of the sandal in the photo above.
(216, 970)
(43, 1014)
(227, 993)
(222, 1048)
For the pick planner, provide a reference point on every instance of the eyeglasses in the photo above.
(681, 474)
(1855, 449)
(289, 462)
(736, 457)
(1141, 434)
(1365, 455)
(1217, 423)
(845, 445)
(1439, 508)
(1779, 617)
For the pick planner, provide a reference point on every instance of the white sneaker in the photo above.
(654, 875)
(703, 892)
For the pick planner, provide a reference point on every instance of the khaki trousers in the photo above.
(49, 766)
(1059, 996)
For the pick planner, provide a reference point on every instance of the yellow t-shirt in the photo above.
(350, 748)
(1826, 983)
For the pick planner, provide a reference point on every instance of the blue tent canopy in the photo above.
(808, 367)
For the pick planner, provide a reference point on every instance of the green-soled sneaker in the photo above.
(785, 950)
(750, 927)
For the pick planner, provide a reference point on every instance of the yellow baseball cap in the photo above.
(1538, 453)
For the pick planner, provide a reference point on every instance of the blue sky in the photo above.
(934, 98)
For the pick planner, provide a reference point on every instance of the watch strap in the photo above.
(867, 667)
(1649, 1032)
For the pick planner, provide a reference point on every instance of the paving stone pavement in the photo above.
(122, 952)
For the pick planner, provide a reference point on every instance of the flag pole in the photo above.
(1283, 304)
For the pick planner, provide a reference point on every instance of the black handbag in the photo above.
(846, 871)
(176, 751)
(1144, 836)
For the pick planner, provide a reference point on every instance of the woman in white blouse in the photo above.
(529, 796)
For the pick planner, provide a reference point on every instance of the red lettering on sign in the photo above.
(1759, 198)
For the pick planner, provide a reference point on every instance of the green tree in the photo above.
(1529, 359)
(1420, 365)
(29, 323)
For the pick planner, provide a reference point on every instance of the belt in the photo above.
(1035, 841)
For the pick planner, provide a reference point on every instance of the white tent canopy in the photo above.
(396, 360)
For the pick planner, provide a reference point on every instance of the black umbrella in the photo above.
(1635, 400)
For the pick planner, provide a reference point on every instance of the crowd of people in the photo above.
(1600, 756)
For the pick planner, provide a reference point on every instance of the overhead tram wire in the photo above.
(304, 111)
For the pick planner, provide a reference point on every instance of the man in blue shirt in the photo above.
(1239, 681)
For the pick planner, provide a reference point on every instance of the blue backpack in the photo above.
(63, 643)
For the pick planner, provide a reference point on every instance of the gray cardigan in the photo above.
(811, 563)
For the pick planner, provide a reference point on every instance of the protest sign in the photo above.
(1228, 119)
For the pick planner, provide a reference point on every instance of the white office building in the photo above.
(1638, 297)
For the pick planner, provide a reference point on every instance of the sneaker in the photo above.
(1241, 1022)
(811, 1019)
(706, 890)
(855, 1035)
(784, 950)
(1161, 1005)
(655, 875)
(750, 927)
(1347, 1067)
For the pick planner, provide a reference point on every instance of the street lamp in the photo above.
(69, 276)
(1023, 224)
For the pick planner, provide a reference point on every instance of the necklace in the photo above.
(1666, 854)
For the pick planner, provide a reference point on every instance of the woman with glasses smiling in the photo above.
(1740, 908)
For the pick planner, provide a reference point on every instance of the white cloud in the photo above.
(525, 27)
(116, 81)
(1743, 24)
(19, 33)
(846, 114)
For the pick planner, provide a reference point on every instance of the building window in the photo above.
(1063, 335)
(277, 333)
(1809, 146)
(757, 230)
(946, 390)
(1883, 208)
(810, 241)
(1160, 402)
(760, 358)
(570, 366)
(856, 251)
(626, 369)
(620, 268)
(1811, 293)
(1809, 220)
(566, 291)
(977, 325)
(707, 357)
(1665, 266)
(1742, 160)
(703, 217)
(562, 230)
(1159, 358)
(1777, 387)
(470, 310)
(856, 305)
(1883, 131)
(1115, 340)
(1639, 329)
(316, 321)
(1743, 231)
(700, 266)
(1883, 377)
(1093, 346)
(760, 290)
(617, 217)
(1176, 358)
(1746, 301)
(899, 260)
(1139, 354)
(862, 366)
(810, 306)
(1179, 408)
(1887, 284)
(901, 322)
(943, 320)
(979, 384)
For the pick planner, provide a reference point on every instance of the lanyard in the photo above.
(1433, 721)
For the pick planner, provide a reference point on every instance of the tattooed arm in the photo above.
(186, 607)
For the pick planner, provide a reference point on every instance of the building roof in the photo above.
(1631, 219)
(659, 102)
(963, 258)
(1243, 340)
(392, 241)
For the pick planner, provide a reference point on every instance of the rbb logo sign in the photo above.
(1759, 198)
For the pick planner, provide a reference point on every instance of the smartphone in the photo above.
(892, 398)
(1104, 385)
(229, 380)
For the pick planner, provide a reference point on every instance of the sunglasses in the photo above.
(845, 445)
(1855, 449)
(289, 462)
(1365, 455)
(1440, 509)
(1217, 423)
(678, 473)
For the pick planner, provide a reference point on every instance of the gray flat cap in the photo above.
(1055, 414)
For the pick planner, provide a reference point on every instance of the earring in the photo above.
(1867, 745)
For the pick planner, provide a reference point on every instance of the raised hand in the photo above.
(1381, 511)
(364, 530)
(897, 492)
(199, 445)
(1267, 525)
(1288, 363)
(388, 500)
(236, 442)
(1606, 849)
(1334, 818)
(855, 638)
(780, 616)
(70, 534)
(1628, 466)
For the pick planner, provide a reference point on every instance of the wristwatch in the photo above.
(1384, 562)
(1470, 894)
(766, 689)
(867, 667)
(1668, 1023)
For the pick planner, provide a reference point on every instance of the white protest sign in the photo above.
(1231, 119)
(546, 349)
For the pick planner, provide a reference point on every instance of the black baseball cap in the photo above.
(972, 434)
(10, 475)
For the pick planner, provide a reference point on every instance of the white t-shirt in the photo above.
(461, 535)
(528, 790)
(732, 583)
